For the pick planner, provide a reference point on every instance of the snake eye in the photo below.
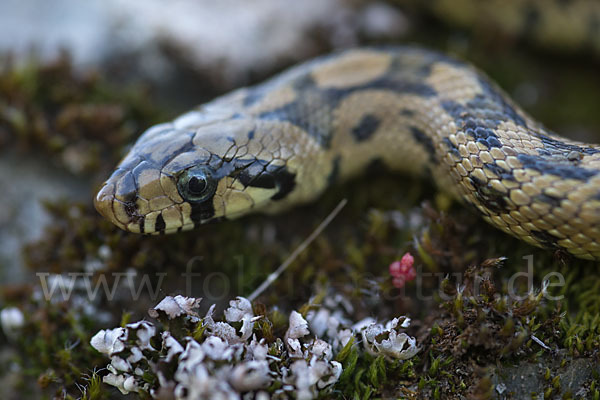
(196, 184)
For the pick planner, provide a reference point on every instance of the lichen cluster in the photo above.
(192, 357)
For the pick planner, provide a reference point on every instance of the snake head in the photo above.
(192, 171)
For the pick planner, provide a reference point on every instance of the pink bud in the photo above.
(407, 260)
(403, 271)
(395, 268)
(398, 282)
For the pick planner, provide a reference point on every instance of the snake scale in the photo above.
(285, 141)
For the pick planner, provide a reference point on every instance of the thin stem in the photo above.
(274, 275)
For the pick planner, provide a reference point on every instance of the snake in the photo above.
(418, 112)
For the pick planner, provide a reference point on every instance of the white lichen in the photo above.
(177, 306)
(12, 320)
(298, 328)
(227, 360)
(389, 341)
(251, 375)
(241, 310)
(310, 377)
(125, 383)
(144, 331)
(173, 347)
(110, 341)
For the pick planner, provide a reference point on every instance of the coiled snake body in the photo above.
(283, 142)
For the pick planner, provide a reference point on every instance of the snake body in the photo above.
(285, 141)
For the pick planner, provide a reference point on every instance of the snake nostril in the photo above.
(131, 209)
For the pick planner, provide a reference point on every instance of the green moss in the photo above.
(77, 119)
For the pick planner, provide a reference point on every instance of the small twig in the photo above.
(538, 341)
(274, 275)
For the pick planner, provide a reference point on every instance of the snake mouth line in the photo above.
(105, 202)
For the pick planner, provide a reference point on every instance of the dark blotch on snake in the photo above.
(302, 112)
(556, 147)
(183, 143)
(452, 148)
(254, 173)
(546, 239)
(401, 86)
(492, 96)
(284, 180)
(160, 224)
(425, 141)
(262, 174)
(499, 171)
(312, 109)
(481, 113)
(485, 136)
(126, 190)
(489, 197)
(202, 211)
(263, 180)
(366, 127)
(547, 199)
(546, 165)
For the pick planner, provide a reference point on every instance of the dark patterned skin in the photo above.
(270, 147)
